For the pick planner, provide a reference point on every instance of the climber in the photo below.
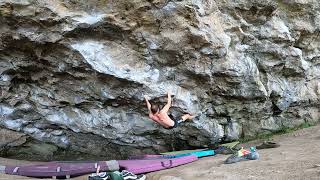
(162, 117)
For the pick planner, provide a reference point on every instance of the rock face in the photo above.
(73, 73)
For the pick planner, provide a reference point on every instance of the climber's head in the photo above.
(155, 108)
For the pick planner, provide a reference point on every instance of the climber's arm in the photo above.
(168, 105)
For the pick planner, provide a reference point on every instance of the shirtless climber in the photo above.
(162, 117)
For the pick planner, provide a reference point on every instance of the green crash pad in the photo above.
(199, 153)
(183, 152)
(230, 145)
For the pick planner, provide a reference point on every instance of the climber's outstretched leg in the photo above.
(186, 117)
(180, 120)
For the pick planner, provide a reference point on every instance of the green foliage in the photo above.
(283, 130)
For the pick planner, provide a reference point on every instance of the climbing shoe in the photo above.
(116, 175)
(130, 176)
(100, 176)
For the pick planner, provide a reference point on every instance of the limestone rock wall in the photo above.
(73, 73)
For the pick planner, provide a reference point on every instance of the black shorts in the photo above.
(176, 122)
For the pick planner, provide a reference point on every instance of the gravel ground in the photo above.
(298, 157)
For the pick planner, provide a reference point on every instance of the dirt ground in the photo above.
(298, 157)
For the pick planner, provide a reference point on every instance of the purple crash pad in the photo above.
(56, 169)
(144, 166)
